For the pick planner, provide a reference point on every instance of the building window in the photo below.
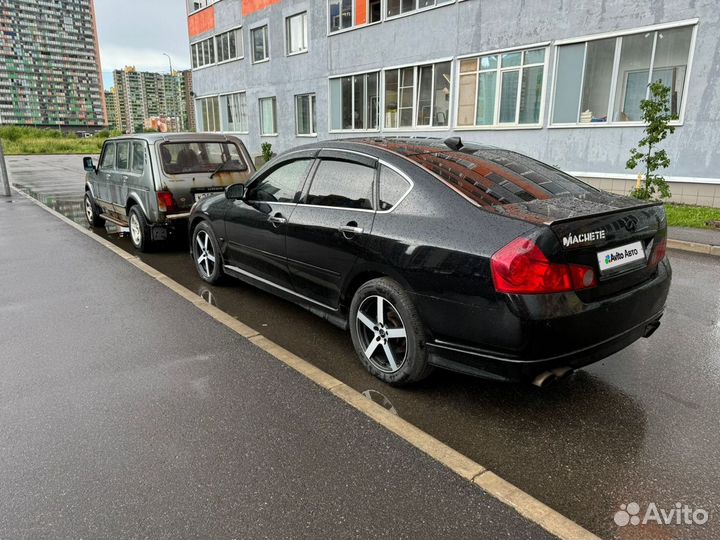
(260, 44)
(197, 5)
(296, 33)
(235, 117)
(354, 102)
(604, 80)
(305, 114)
(203, 53)
(501, 89)
(268, 122)
(340, 13)
(417, 96)
(229, 45)
(209, 113)
(399, 7)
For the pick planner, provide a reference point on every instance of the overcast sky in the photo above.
(138, 32)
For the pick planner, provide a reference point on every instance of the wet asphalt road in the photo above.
(640, 426)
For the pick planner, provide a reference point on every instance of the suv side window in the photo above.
(123, 156)
(342, 184)
(108, 159)
(392, 187)
(138, 157)
(282, 184)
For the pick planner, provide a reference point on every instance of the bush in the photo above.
(266, 149)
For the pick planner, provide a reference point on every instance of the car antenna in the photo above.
(453, 143)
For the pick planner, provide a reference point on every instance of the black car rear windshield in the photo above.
(201, 157)
(491, 176)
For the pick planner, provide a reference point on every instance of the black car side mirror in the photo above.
(88, 164)
(235, 192)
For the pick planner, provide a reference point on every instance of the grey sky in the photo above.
(138, 32)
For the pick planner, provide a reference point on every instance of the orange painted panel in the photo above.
(201, 22)
(251, 6)
(360, 12)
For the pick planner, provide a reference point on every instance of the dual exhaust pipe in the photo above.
(553, 376)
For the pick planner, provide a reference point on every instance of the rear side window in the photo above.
(342, 184)
(392, 188)
(138, 157)
(282, 184)
(108, 159)
(123, 156)
(201, 157)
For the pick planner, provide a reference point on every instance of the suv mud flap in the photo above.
(158, 233)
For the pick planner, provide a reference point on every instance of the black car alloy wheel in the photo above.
(381, 333)
(206, 254)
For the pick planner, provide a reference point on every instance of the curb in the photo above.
(524, 504)
(693, 247)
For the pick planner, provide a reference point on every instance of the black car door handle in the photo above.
(277, 219)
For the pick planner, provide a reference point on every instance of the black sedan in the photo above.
(443, 254)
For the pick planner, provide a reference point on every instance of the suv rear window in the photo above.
(201, 157)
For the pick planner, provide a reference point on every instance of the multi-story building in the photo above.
(189, 98)
(143, 95)
(111, 104)
(560, 81)
(50, 71)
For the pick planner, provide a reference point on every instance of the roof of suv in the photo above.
(175, 137)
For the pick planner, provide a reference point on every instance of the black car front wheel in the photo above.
(387, 333)
(206, 254)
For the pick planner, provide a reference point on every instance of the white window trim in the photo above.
(496, 125)
(313, 134)
(210, 4)
(266, 26)
(307, 34)
(415, 128)
(616, 61)
(383, 17)
(327, 19)
(275, 120)
(414, 11)
(247, 113)
(242, 39)
(380, 102)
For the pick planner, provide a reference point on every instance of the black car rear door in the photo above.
(329, 228)
(255, 226)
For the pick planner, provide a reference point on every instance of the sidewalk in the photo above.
(129, 412)
(695, 240)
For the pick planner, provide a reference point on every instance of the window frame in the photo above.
(415, 127)
(618, 36)
(223, 118)
(201, 117)
(287, 160)
(404, 176)
(266, 43)
(132, 157)
(380, 101)
(497, 126)
(383, 15)
(312, 99)
(238, 39)
(194, 58)
(347, 157)
(275, 122)
(288, 35)
(208, 3)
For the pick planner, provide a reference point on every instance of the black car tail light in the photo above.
(659, 252)
(522, 268)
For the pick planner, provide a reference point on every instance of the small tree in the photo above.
(657, 115)
(266, 148)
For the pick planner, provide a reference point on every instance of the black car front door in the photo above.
(255, 226)
(328, 230)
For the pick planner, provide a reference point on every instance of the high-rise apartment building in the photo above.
(50, 71)
(143, 95)
(112, 105)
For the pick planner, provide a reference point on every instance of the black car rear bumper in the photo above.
(522, 343)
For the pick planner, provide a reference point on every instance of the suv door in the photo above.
(104, 175)
(329, 228)
(120, 176)
(255, 226)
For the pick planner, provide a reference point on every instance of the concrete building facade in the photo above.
(142, 96)
(559, 81)
(50, 74)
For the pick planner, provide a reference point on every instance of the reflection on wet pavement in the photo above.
(640, 426)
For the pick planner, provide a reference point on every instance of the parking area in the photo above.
(640, 426)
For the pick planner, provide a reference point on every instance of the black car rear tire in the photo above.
(387, 333)
(139, 229)
(206, 254)
(92, 212)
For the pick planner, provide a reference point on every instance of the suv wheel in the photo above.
(91, 212)
(206, 254)
(387, 333)
(139, 229)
